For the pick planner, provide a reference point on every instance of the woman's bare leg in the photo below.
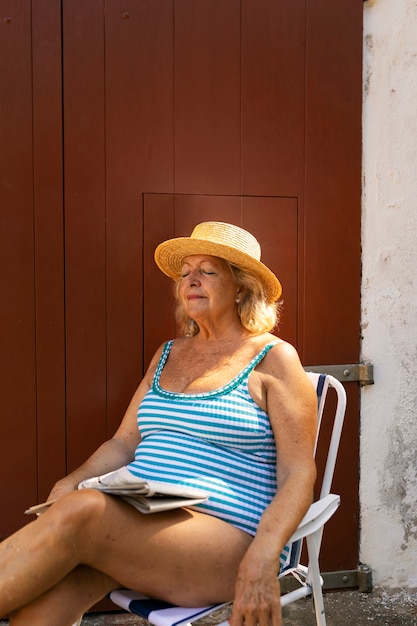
(67, 601)
(180, 556)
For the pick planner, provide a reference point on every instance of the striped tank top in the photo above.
(220, 441)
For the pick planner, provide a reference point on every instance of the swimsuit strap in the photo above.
(162, 360)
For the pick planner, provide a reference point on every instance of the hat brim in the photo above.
(169, 256)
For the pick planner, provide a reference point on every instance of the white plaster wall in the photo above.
(388, 483)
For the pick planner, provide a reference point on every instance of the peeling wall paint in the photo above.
(388, 484)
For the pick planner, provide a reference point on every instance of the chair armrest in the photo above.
(316, 516)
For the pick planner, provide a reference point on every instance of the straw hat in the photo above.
(226, 241)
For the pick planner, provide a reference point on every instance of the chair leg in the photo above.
(314, 578)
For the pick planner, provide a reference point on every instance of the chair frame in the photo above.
(310, 528)
(312, 525)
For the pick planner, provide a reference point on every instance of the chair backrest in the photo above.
(322, 383)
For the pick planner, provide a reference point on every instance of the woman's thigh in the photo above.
(182, 556)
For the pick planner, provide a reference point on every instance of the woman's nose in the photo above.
(193, 277)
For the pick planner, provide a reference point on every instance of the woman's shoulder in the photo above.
(281, 372)
(276, 345)
(282, 355)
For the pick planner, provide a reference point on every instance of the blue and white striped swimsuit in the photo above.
(220, 441)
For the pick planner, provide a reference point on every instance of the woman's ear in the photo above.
(239, 296)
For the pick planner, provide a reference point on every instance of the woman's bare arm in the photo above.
(292, 409)
(117, 451)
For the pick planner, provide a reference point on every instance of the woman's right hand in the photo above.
(257, 591)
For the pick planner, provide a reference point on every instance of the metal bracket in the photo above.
(355, 372)
(360, 579)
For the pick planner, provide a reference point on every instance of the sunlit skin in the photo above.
(181, 556)
(208, 291)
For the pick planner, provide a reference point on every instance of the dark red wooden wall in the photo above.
(121, 125)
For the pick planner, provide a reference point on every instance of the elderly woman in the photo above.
(226, 407)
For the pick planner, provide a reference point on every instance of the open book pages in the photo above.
(148, 496)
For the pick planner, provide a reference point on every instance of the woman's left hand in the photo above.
(257, 594)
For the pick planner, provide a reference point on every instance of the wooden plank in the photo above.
(139, 158)
(273, 58)
(158, 289)
(85, 225)
(194, 209)
(207, 96)
(49, 243)
(331, 327)
(333, 181)
(17, 320)
(274, 222)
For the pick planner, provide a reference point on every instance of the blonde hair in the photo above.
(255, 313)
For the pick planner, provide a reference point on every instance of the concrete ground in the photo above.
(343, 608)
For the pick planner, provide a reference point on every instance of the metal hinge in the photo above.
(360, 579)
(356, 372)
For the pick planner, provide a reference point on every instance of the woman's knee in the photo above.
(77, 512)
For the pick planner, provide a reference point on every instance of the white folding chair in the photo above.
(311, 528)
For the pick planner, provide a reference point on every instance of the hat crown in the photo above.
(229, 235)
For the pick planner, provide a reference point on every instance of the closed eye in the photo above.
(206, 272)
